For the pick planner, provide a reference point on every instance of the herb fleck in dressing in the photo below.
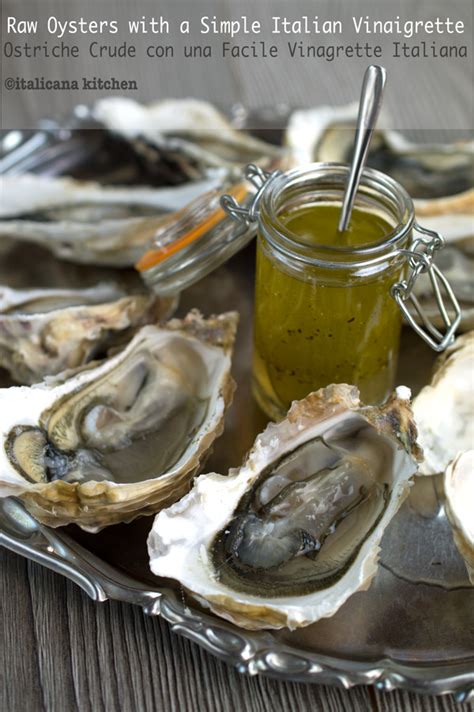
(317, 326)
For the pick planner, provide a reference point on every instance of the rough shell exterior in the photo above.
(87, 222)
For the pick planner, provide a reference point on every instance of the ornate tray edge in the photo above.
(252, 653)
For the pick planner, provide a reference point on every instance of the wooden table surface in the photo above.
(59, 651)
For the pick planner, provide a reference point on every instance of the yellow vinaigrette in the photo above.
(313, 326)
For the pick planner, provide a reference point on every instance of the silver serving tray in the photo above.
(414, 627)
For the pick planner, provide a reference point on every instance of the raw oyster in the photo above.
(459, 495)
(443, 409)
(189, 133)
(45, 331)
(124, 438)
(439, 177)
(87, 222)
(288, 537)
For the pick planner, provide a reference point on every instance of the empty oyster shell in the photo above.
(443, 409)
(87, 222)
(439, 177)
(191, 134)
(459, 495)
(45, 331)
(288, 537)
(124, 438)
(42, 300)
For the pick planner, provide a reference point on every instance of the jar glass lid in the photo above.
(203, 235)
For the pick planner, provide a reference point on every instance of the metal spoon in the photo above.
(369, 107)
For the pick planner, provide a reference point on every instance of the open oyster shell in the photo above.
(439, 178)
(87, 222)
(288, 537)
(443, 409)
(190, 134)
(124, 438)
(459, 495)
(45, 331)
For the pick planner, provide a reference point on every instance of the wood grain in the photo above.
(61, 652)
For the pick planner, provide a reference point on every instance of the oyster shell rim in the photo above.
(326, 116)
(41, 498)
(249, 611)
(462, 348)
(100, 321)
(464, 542)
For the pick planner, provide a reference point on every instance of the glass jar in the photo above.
(325, 313)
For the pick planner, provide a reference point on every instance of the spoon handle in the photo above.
(369, 107)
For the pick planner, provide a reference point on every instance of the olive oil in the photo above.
(318, 225)
(322, 325)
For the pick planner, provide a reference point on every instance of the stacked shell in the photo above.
(443, 408)
(86, 222)
(443, 412)
(45, 331)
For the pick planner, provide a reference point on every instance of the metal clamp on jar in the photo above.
(327, 313)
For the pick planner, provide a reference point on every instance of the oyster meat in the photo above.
(288, 537)
(439, 177)
(87, 222)
(45, 331)
(124, 438)
(459, 496)
(190, 134)
(443, 409)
